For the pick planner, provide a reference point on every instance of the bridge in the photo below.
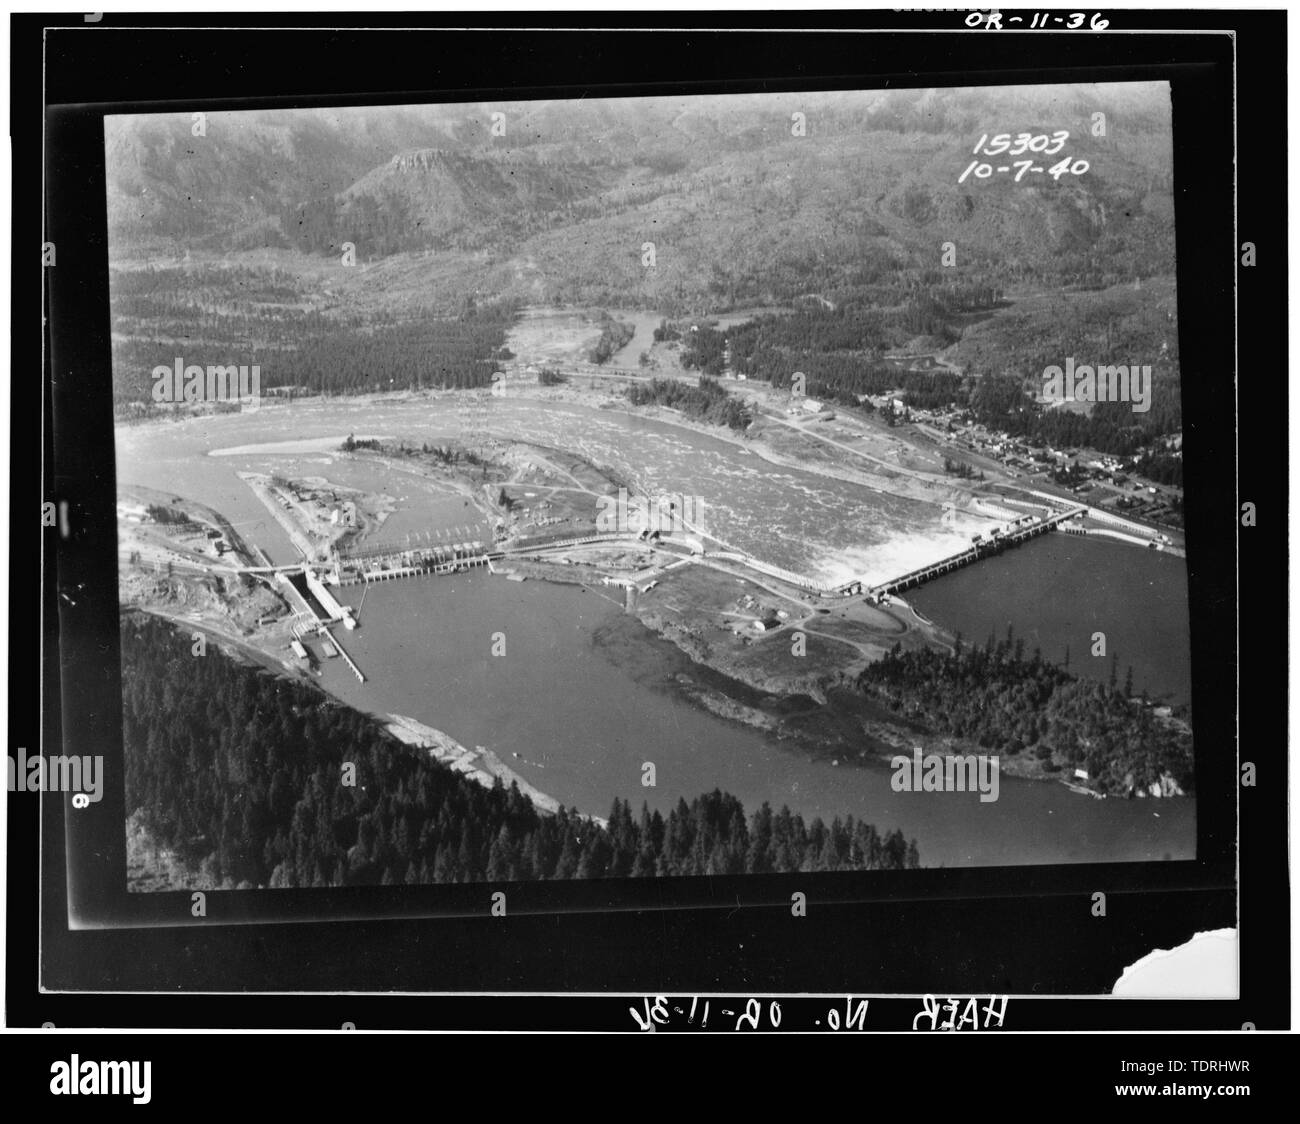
(516, 372)
(574, 540)
(388, 562)
(995, 544)
(791, 578)
(381, 562)
(384, 564)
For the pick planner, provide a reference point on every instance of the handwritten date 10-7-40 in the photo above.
(1035, 145)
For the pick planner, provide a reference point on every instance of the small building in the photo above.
(298, 649)
(333, 610)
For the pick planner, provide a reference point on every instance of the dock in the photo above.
(342, 651)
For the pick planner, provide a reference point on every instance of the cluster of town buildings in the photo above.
(1101, 480)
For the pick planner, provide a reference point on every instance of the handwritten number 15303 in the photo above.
(1025, 142)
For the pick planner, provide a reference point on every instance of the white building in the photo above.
(332, 608)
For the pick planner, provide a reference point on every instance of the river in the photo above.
(584, 693)
(1059, 591)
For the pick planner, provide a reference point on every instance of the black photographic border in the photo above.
(914, 919)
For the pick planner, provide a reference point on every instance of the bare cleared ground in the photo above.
(317, 515)
(713, 615)
(547, 335)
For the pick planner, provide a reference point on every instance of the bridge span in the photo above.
(985, 548)
(381, 562)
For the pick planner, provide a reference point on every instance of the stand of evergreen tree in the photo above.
(614, 334)
(241, 773)
(1001, 700)
(708, 402)
(328, 356)
(704, 349)
(839, 351)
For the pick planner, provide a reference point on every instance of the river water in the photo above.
(584, 693)
(830, 529)
(1059, 591)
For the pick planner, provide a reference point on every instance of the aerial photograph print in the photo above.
(642, 487)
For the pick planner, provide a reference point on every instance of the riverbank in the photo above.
(827, 717)
(923, 537)
(478, 764)
(735, 670)
(614, 701)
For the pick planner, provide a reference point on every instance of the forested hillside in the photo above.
(999, 699)
(837, 350)
(292, 347)
(240, 773)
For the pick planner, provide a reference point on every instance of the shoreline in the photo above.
(831, 732)
(907, 486)
(479, 764)
(701, 687)
(706, 687)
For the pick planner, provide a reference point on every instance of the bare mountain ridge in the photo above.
(445, 190)
(724, 187)
(263, 160)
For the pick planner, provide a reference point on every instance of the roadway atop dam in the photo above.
(385, 562)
